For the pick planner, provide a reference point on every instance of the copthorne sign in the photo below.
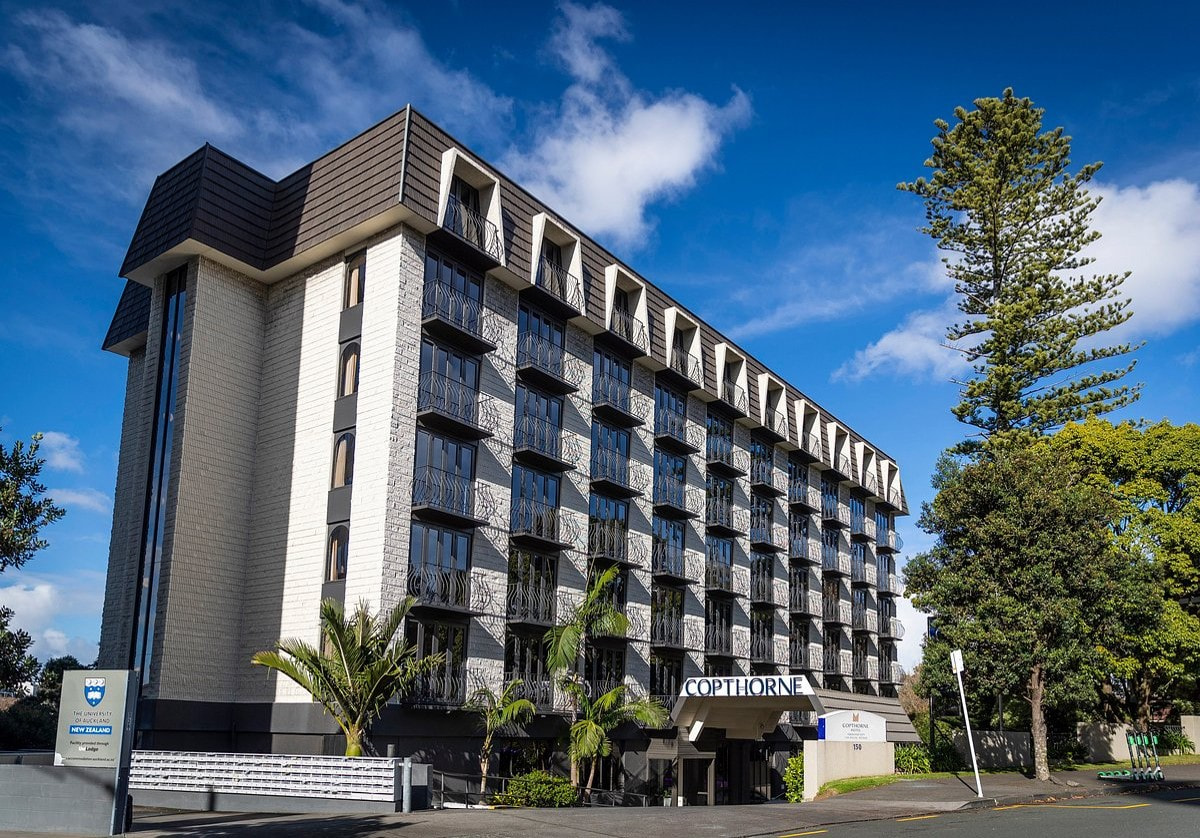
(746, 686)
(852, 726)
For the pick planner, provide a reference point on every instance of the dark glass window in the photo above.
(355, 283)
(348, 370)
(337, 554)
(343, 461)
(534, 485)
(454, 366)
(666, 675)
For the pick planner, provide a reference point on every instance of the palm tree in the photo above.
(594, 616)
(360, 666)
(597, 718)
(497, 715)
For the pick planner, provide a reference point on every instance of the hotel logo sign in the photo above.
(746, 686)
(852, 726)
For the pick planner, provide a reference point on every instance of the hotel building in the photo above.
(396, 373)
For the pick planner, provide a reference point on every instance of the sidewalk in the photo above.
(904, 798)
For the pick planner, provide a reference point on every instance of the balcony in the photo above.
(613, 474)
(871, 483)
(546, 364)
(718, 640)
(536, 687)
(718, 576)
(688, 367)
(721, 456)
(803, 495)
(834, 561)
(862, 528)
(452, 314)
(866, 619)
(802, 718)
(722, 516)
(544, 444)
(613, 399)
(762, 589)
(808, 656)
(838, 663)
(539, 524)
(560, 285)
(445, 495)
(764, 535)
(810, 444)
(842, 467)
(775, 422)
(837, 612)
(890, 628)
(672, 430)
(609, 540)
(894, 499)
(805, 549)
(629, 329)
(889, 583)
(438, 588)
(666, 630)
(450, 404)
(762, 649)
(891, 672)
(866, 668)
(675, 499)
(862, 572)
(445, 687)
(471, 227)
(834, 512)
(764, 478)
(531, 604)
(596, 687)
(888, 541)
(670, 561)
(804, 602)
(735, 397)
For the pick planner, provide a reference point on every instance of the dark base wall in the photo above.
(56, 799)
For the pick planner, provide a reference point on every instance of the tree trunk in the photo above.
(483, 767)
(354, 746)
(592, 776)
(1037, 691)
(1144, 692)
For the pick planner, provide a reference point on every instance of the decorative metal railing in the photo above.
(891, 627)
(802, 718)
(611, 540)
(718, 576)
(666, 629)
(440, 587)
(471, 226)
(444, 490)
(804, 601)
(810, 443)
(443, 687)
(734, 396)
(866, 619)
(670, 491)
(450, 305)
(532, 433)
(625, 325)
(862, 572)
(561, 283)
(806, 656)
(687, 366)
(718, 640)
(802, 494)
(537, 352)
(762, 648)
(762, 587)
(866, 668)
(834, 511)
(837, 611)
(532, 602)
(536, 687)
(888, 540)
(668, 559)
(452, 398)
(838, 662)
(610, 391)
(539, 520)
(890, 672)
(834, 560)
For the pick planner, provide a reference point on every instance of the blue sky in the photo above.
(728, 156)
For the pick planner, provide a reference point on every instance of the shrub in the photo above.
(28, 724)
(793, 779)
(913, 759)
(1175, 742)
(538, 789)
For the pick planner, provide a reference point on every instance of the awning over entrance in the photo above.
(899, 726)
(746, 706)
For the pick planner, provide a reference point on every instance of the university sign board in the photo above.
(852, 726)
(94, 718)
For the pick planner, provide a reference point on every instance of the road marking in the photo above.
(1182, 799)
(915, 818)
(798, 834)
(1070, 806)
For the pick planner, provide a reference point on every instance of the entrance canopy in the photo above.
(747, 706)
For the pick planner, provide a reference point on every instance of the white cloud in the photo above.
(916, 348)
(45, 605)
(61, 451)
(89, 499)
(608, 151)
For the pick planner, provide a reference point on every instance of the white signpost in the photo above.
(956, 661)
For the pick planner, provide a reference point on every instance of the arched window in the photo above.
(343, 461)
(339, 550)
(348, 371)
(356, 281)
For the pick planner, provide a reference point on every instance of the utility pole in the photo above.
(956, 661)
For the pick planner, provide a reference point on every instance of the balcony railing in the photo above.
(843, 466)
(613, 394)
(444, 491)
(735, 397)
(610, 540)
(776, 422)
(668, 560)
(838, 662)
(596, 687)
(718, 576)
(871, 483)
(453, 400)
(534, 435)
(718, 640)
(862, 572)
(671, 492)
(891, 628)
(834, 560)
(895, 499)
(762, 588)
(612, 467)
(889, 583)
(627, 327)
(762, 648)
(548, 359)
(805, 549)
(810, 444)
(666, 630)
(531, 603)
(445, 687)
(472, 227)
(802, 718)
(801, 493)
(672, 427)
(719, 450)
(837, 611)
(440, 588)
(866, 668)
(539, 520)
(806, 656)
(441, 302)
(536, 687)
(833, 511)
(888, 540)
(687, 366)
(890, 672)
(866, 619)
(762, 473)
(804, 601)
(560, 283)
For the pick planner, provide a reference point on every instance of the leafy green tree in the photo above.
(1153, 472)
(17, 666)
(360, 666)
(594, 616)
(498, 714)
(23, 509)
(1003, 202)
(598, 717)
(50, 679)
(1021, 577)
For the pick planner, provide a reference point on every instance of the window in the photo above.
(610, 453)
(666, 675)
(670, 478)
(452, 293)
(720, 438)
(449, 381)
(552, 252)
(798, 527)
(531, 585)
(719, 550)
(525, 658)
(603, 668)
(447, 683)
(529, 484)
(343, 461)
(355, 283)
(336, 554)
(608, 522)
(538, 421)
(348, 371)
(540, 340)
(437, 548)
(761, 512)
(668, 540)
(717, 668)
(670, 412)
(610, 382)
(761, 461)
(857, 513)
(444, 454)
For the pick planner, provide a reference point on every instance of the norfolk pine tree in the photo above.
(1002, 200)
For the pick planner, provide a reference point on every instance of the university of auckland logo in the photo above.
(93, 690)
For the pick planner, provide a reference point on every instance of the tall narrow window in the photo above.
(337, 554)
(356, 281)
(348, 371)
(343, 461)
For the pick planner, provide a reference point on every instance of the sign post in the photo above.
(956, 661)
(95, 728)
